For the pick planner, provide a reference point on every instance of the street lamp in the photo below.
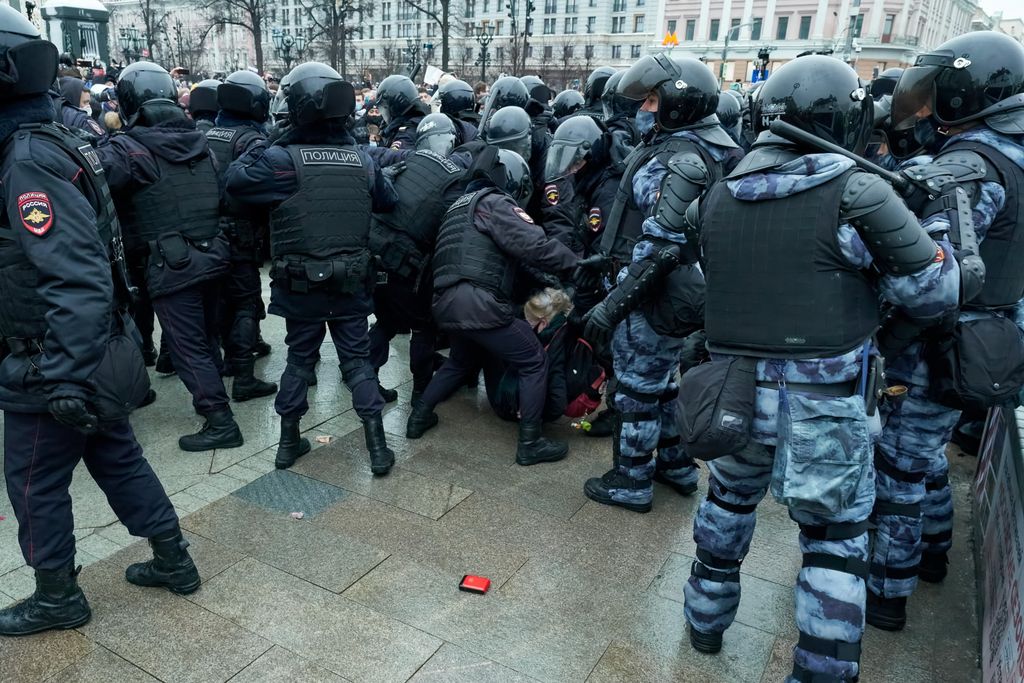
(725, 49)
(284, 43)
(30, 7)
(130, 40)
(484, 36)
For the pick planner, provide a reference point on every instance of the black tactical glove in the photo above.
(74, 413)
(391, 172)
(599, 326)
(588, 271)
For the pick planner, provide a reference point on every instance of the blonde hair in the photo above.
(545, 305)
(112, 120)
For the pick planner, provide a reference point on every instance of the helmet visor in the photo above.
(520, 146)
(564, 158)
(642, 78)
(914, 95)
(439, 143)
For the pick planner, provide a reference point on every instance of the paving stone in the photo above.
(97, 546)
(320, 556)
(6, 600)
(453, 664)
(184, 503)
(278, 664)
(35, 658)
(117, 533)
(285, 491)
(10, 551)
(20, 583)
(900, 669)
(621, 662)
(334, 632)
(210, 557)
(242, 473)
(164, 634)
(102, 665)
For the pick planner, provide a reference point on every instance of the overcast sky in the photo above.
(1011, 9)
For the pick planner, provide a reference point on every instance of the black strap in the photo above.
(730, 507)
(803, 675)
(639, 417)
(669, 441)
(839, 389)
(886, 508)
(883, 465)
(885, 572)
(836, 649)
(702, 572)
(634, 460)
(716, 562)
(848, 565)
(834, 532)
(668, 395)
(937, 484)
(940, 537)
(638, 395)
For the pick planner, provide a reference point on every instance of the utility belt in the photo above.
(874, 388)
(399, 255)
(339, 274)
(173, 248)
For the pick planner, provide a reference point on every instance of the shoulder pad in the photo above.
(962, 165)
(691, 166)
(864, 192)
(762, 158)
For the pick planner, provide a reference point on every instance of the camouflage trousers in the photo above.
(830, 590)
(645, 365)
(914, 508)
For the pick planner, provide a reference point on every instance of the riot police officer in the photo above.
(403, 242)
(729, 115)
(164, 183)
(203, 105)
(594, 89)
(507, 91)
(685, 156)
(973, 87)
(457, 102)
(399, 103)
(244, 107)
(72, 367)
(828, 240)
(620, 119)
(483, 234)
(566, 103)
(320, 189)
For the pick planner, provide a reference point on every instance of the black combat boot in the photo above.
(220, 431)
(708, 643)
(382, 458)
(150, 399)
(604, 424)
(171, 567)
(888, 614)
(389, 395)
(292, 445)
(421, 420)
(58, 603)
(262, 349)
(534, 448)
(164, 366)
(933, 567)
(246, 386)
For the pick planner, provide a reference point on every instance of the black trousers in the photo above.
(189, 322)
(40, 455)
(241, 311)
(400, 309)
(515, 344)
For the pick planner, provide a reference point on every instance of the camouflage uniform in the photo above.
(645, 364)
(829, 602)
(915, 506)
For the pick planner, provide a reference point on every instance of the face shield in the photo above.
(644, 76)
(564, 158)
(520, 146)
(440, 143)
(914, 95)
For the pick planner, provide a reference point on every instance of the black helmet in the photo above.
(436, 132)
(687, 90)
(574, 142)
(279, 105)
(245, 94)
(510, 128)
(614, 102)
(536, 88)
(566, 103)
(729, 115)
(144, 82)
(203, 98)
(316, 92)
(517, 176)
(823, 96)
(507, 91)
(596, 82)
(885, 82)
(973, 77)
(395, 96)
(456, 98)
(28, 65)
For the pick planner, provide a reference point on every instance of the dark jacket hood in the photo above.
(176, 141)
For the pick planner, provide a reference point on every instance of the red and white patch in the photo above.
(940, 255)
(594, 219)
(36, 212)
(551, 193)
(522, 214)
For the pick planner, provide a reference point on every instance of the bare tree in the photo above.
(440, 11)
(392, 55)
(335, 22)
(186, 43)
(251, 15)
(154, 14)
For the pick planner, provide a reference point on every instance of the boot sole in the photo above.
(232, 444)
(538, 461)
(177, 590)
(381, 471)
(598, 497)
(63, 626)
(708, 643)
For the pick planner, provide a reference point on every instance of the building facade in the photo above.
(77, 28)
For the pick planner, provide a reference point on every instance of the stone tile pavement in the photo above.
(363, 587)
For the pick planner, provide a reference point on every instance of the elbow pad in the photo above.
(641, 280)
(686, 180)
(891, 232)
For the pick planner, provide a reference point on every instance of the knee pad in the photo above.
(356, 371)
(303, 373)
(713, 568)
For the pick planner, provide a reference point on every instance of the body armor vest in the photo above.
(330, 212)
(464, 254)
(224, 143)
(1002, 250)
(185, 199)
(778, 284)
(406, 236)
(625, 224)
(22, 309)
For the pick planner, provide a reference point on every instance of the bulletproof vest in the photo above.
(778, 284)
(22, 309)
(464, 254)
(330, 212)
(1002, 250)
(185, 199)
(625, 224)
(224, 142)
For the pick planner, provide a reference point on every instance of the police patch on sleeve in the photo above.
(594, 219)
(36, 212)
(551, 193)
(522, 214)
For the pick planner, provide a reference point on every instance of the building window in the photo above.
(470, 9)
(856, 25)
(487, 7)
(593, 3)
(890, 20)
(548, 53)
(570, 25)
(549, 27)
(634, 51)
(529, 51)
(638, 23)
(385, 11)
(671, 28)
(499, 53)
(782, 28)
(385, 31)
(616, 52)
(431, 30)
(499, 24)
(639, 3)
(755, 29)
(89, 40)
(550, 6)
(591, 24)
(618, 5)
(571, 7)
(618, 24)
(805, 28)
(588, 51)
(713, 33)
(469, 53)
(373, 53)
(691, 27)
(567, 51)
